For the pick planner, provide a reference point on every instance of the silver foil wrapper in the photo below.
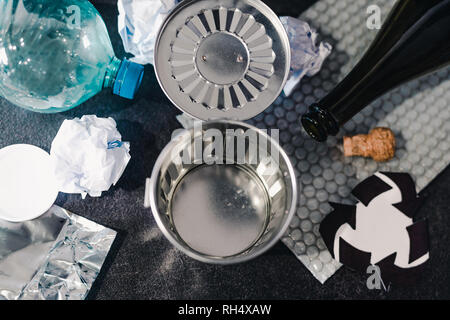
(55, 257)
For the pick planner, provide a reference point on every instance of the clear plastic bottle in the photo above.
(54, 55)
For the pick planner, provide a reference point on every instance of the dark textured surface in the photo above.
(142, 263)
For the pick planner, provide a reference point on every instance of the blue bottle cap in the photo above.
(128, 80)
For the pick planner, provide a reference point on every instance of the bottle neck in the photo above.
(111, 73)
(319, 123)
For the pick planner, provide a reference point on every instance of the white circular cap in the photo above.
(27, 182)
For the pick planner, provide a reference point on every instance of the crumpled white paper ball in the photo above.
(139, 23)
(306, 57)
(88, 155)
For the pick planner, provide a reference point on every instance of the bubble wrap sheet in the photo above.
(417, 112)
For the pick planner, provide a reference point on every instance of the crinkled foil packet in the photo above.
(55, 257)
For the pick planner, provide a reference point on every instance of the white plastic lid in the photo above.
(27, 182)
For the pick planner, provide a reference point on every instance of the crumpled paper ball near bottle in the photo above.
(139, 22)
(88, 155)
(306, 57)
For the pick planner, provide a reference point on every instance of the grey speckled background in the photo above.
(142, 263)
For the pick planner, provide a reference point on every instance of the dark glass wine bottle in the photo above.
(413, 41)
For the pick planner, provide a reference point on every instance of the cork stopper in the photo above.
(379, 144)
